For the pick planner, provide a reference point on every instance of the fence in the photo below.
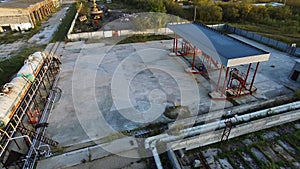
(116, 33)
(290, 49)
(111, 33)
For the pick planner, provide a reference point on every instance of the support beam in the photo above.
(248, 71)
(253, 78)
(224, 83)
(36, 16)
(40, 15)
(40, 94)
(176, 44)
(47, 77)
(45, 87)
(219, 79)
(194, 58)
(45, 11)
(32, 18)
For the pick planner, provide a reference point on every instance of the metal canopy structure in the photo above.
(218, 52)
(229, 51)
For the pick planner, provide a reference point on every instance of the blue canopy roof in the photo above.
(223, 48)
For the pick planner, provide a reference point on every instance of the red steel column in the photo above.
(174, 42)
(183, 47)
(194, 58)
(249, 67)
(224, 83)
(220, 74)
(254, 76)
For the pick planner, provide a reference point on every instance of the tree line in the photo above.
(208, 11)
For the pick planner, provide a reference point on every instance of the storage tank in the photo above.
(10, 100)
(13, 92)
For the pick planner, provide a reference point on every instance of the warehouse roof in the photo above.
(223, 48)
(18, 3)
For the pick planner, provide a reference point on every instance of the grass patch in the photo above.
(61, 33)
(294, 139)
(144, 38)
(12, 65)
(297, 134)
(284, 33)
(297, 94)
(58, 150)
(13, 36)
(113, 137)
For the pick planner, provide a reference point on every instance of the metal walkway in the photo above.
(16, 130)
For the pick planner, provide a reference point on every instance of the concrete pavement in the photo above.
(107, 89)
(123, 148)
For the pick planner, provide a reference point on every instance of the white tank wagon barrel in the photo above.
(14, 91)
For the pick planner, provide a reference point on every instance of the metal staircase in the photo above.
(40, 137)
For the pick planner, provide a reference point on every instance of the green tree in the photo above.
(230, 12)
(174, 9)
(258, 14)
(156, 6)
(209, 12)
(280, 13)
(244, 11)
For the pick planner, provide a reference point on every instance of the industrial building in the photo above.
(19, 15)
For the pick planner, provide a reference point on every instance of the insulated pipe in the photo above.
(243, 118)
(156, 155)
(151, 142)
(24, 136)
(246, 117)
(219, 124)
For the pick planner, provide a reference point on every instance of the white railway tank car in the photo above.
(14, 91)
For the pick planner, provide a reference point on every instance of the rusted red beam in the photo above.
(253, 78)
(219, 79)
(248, 71)
(224, 83)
